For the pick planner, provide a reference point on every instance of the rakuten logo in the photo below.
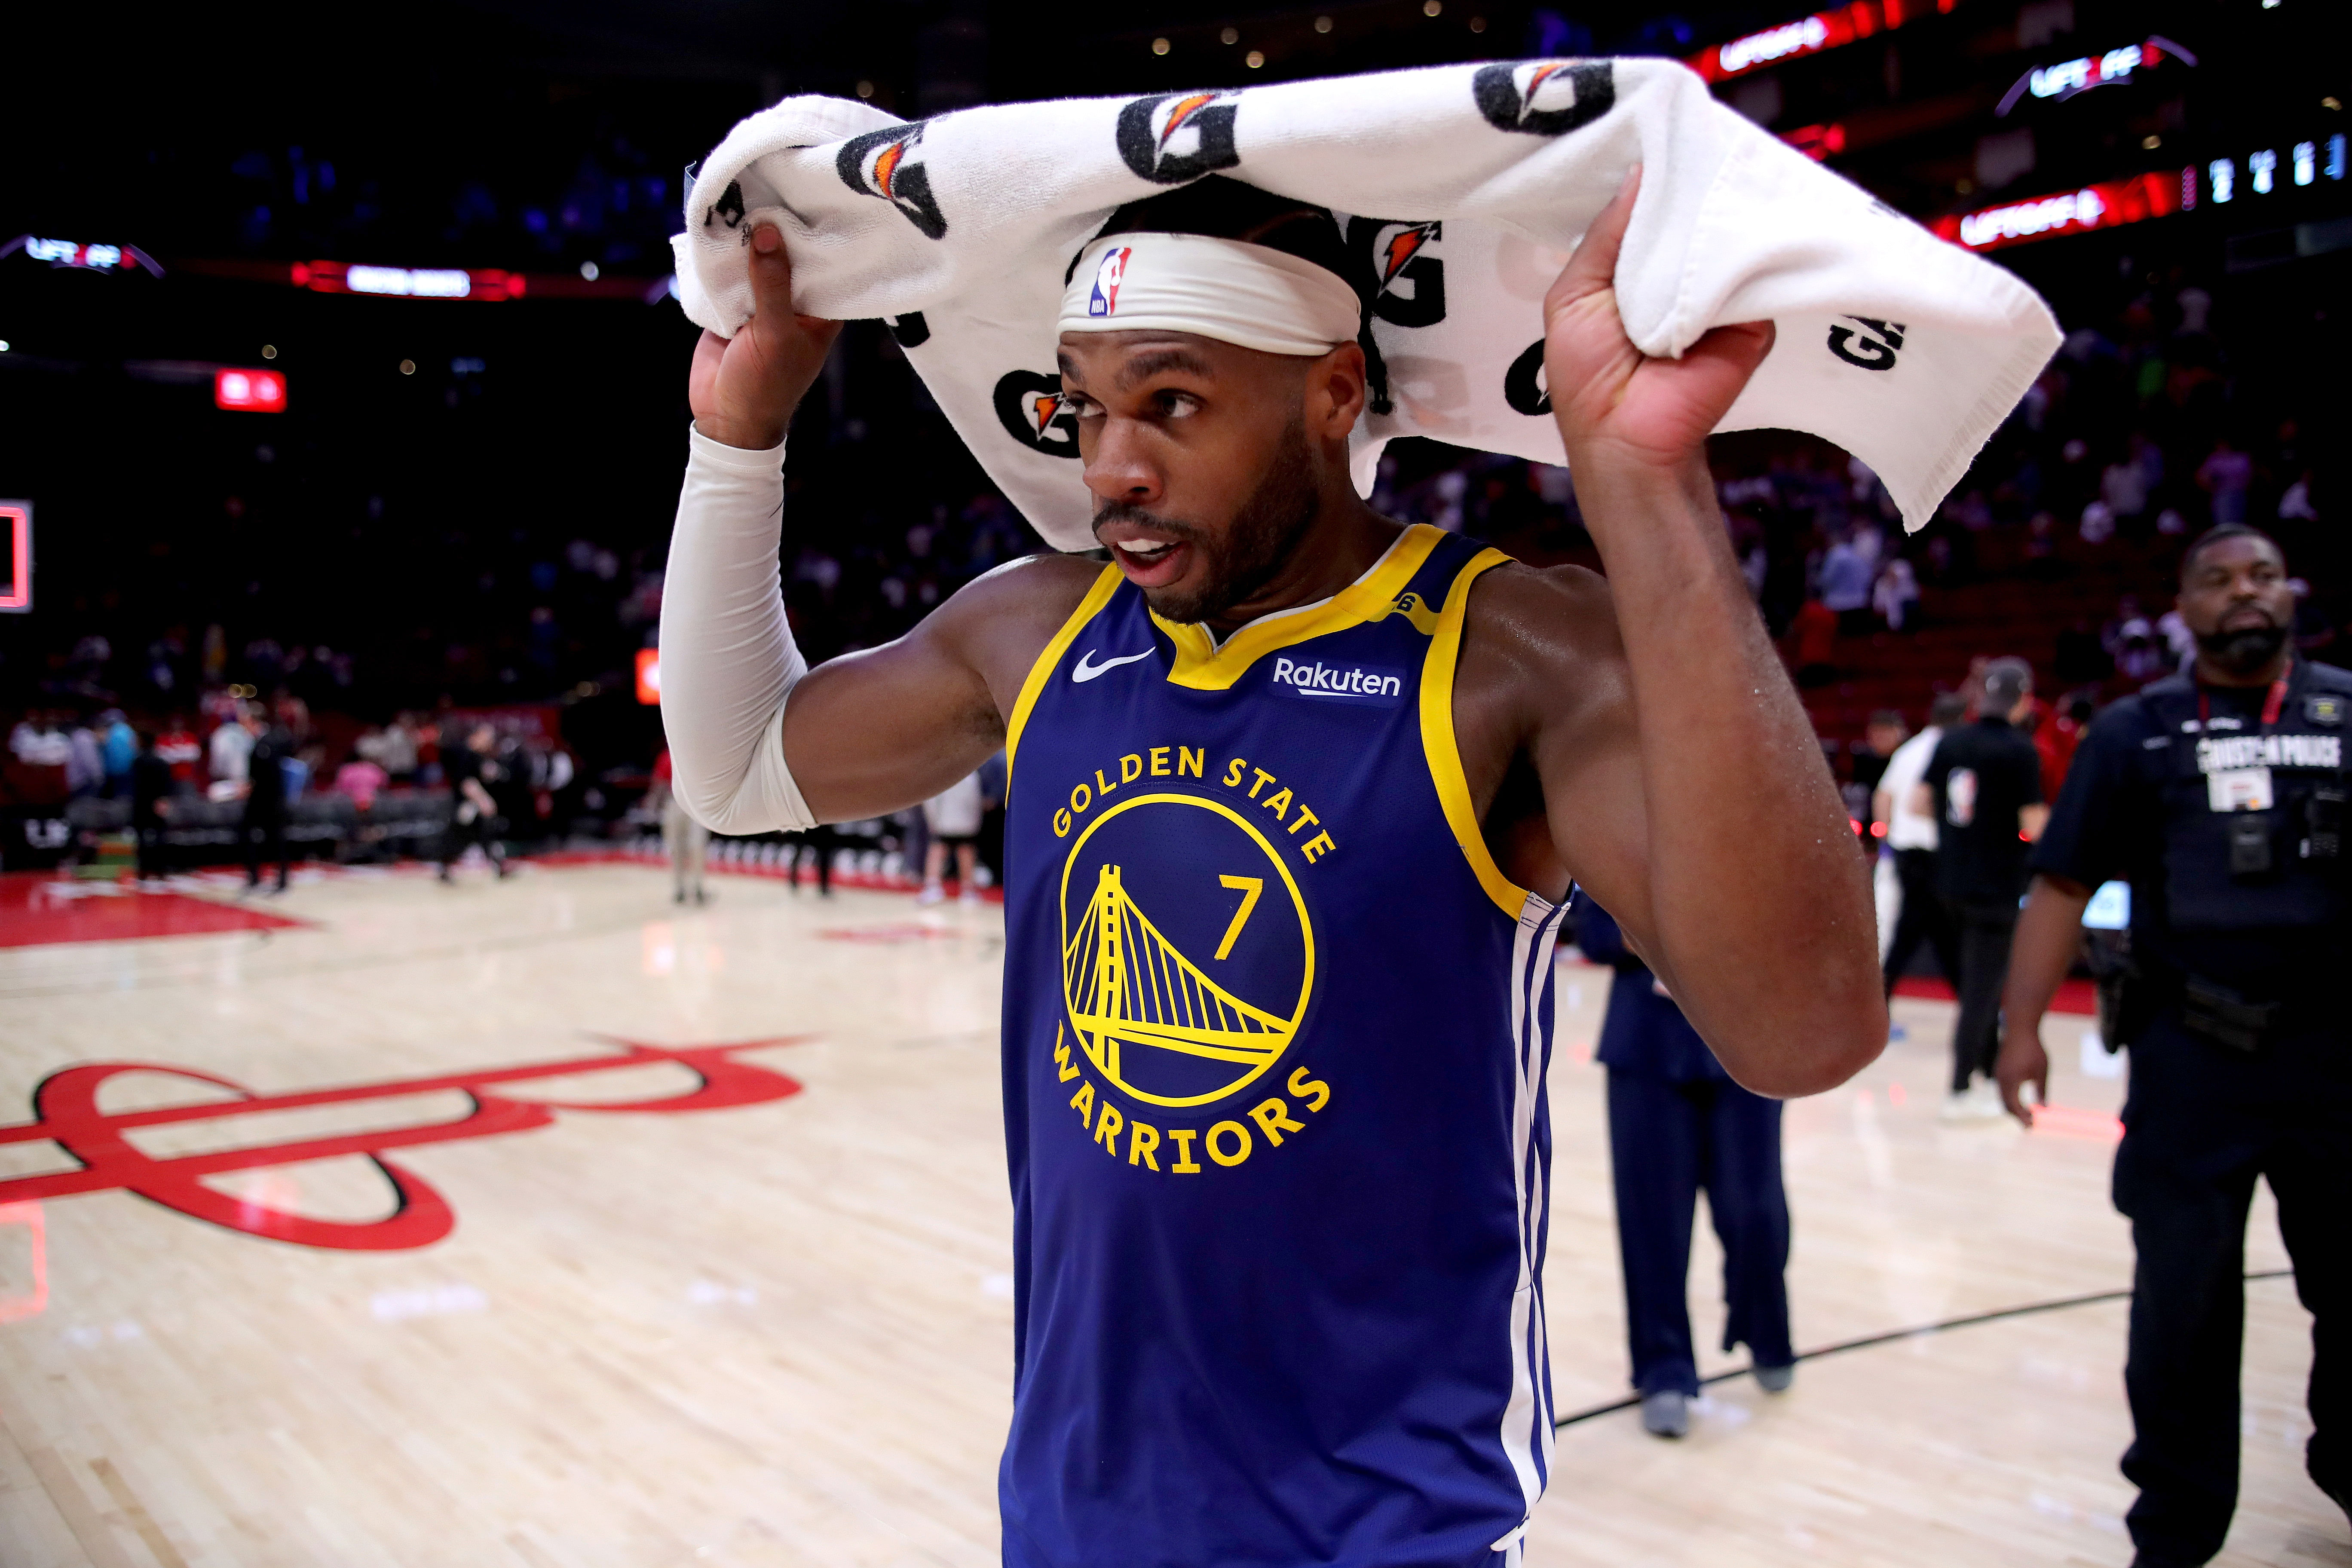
(1341, 683)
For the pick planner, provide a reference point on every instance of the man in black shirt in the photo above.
(1984, 788)
(473, 770)
(151, 802)
(2221, 795)
(264, 828)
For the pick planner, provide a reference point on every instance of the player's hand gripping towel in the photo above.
(1461, 188)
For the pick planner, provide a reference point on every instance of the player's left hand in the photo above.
(1607, 393)
(2022, 1061)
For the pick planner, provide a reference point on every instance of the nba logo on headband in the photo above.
(1104, 301)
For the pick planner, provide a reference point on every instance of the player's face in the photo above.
(2235, 597)
(1204, 473)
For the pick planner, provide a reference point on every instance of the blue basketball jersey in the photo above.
(1276, 1031)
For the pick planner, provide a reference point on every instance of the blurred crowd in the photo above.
(2057, 543)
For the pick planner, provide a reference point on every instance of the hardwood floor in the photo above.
(777, 1331)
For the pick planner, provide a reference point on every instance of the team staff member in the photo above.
(1296, 797)
(1678, 1126)
(2219, 796)
(473, 770)
(1984, 786)
(1911, 838)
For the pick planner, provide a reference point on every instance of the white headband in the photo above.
(1229, 289)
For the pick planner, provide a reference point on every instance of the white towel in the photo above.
(1465, 186)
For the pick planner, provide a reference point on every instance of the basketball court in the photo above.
(546, 1222)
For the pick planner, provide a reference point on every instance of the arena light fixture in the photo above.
(1817, 142)
(2109, 205)
(16, 590)
(649, 675)
(249, 391)
(2062, 82)
(84, 257)
(1813, 34)
(408, 282)
(2267, 169)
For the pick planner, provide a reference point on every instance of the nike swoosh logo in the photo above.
(1087, 669)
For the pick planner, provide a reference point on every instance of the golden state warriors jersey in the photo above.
(1276, 1031)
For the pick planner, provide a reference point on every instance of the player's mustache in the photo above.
(1122, 511)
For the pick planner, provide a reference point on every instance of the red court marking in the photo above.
(65, 1106)
(888, 933)
(37, 1300)
(38, 909)
(2075, 1122)
(2075, 998)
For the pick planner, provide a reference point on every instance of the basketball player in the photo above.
(1296, 797)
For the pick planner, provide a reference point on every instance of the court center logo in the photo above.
(1177, 137)
(1032, 411)
(887, 163)
(1188, 955)
(1545, 97)
(68, 1116)
(1408, 276)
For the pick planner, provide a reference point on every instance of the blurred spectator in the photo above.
(152, 787)
(1814, 637)
(231, 750)
(684, 840)
(263, 830)
(178, 747)
(1911, 838)
(2224, 475)
(1984, 785)
(85, 767)
(361, 781)
(118, 747)
(953, 817)
(37, 741)
(2123, 486)
(1846, 586)
(1882, 737)
(474, 771)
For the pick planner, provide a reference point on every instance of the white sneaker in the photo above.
(1981, 1101)
(968, 897)
(932, 893)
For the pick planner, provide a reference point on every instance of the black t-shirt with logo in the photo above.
(1984, 775)
(2138, 781)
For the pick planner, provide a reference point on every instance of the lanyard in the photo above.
(2270, 704)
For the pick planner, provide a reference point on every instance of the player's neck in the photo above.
(1343, 543)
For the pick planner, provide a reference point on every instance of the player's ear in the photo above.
(1336, 390)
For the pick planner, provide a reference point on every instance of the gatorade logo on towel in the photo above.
(1104, 301)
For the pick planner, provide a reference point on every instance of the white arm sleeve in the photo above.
(727, 654)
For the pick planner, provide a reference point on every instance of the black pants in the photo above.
(483, 830)
(2200, 1125)
(1925, 918)
(1668, 1141)
(263, 833)
(819, 842)
(153, 853)
(1985, 931)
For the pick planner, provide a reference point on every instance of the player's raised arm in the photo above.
(1742, 885)
(868, 734)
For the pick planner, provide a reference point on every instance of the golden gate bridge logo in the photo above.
(68, 1115)
(1132, 993)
